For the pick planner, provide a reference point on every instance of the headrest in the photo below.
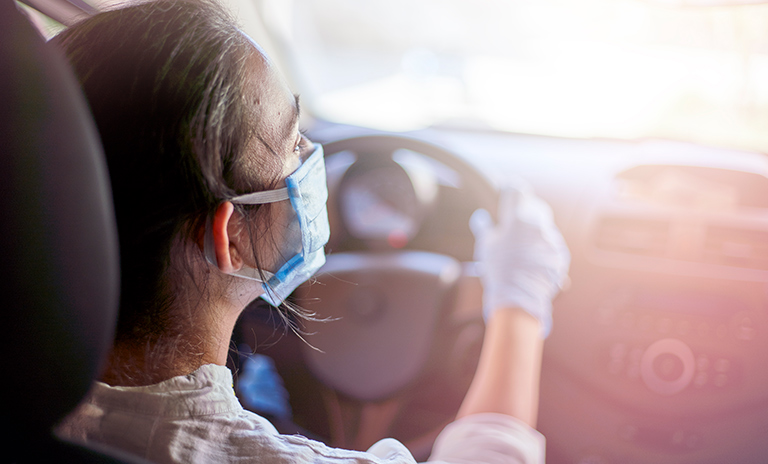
(59, 274)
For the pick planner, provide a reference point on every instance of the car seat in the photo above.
(59, 273)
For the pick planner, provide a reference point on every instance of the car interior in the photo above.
(642, 124)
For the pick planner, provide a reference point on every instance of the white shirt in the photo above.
(196, 418)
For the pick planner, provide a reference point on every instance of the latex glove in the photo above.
(523, 260)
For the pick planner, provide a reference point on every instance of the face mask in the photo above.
(305, 236)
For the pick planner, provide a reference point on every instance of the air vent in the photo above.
(633, 236)
(736, 247)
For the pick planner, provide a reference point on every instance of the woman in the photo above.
(201, 137)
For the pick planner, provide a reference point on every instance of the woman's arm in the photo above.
(523, 261)
(507, 377)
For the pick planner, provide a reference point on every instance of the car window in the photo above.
(589, 68)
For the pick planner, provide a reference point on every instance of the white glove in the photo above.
(523, 260)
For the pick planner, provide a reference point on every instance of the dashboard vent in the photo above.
(634, 236)
(736, 247)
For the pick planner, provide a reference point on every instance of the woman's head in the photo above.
(191, 113)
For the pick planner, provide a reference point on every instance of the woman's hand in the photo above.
(523, 259)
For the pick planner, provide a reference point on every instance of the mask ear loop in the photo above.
(208, 246)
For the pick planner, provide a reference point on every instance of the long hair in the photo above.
(165, 82)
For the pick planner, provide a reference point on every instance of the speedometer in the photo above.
(384, 200)
(381, 205)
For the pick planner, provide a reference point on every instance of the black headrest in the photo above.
(59, 274)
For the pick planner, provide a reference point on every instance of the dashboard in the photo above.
(657, 351)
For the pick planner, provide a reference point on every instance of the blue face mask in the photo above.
(305, 236)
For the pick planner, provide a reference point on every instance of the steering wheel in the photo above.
(397, 331)
(376, 149)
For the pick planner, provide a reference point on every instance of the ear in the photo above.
(225, 245)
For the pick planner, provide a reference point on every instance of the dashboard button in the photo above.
(667, 366)
(744, 327)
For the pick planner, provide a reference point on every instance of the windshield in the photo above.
(589, 68)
